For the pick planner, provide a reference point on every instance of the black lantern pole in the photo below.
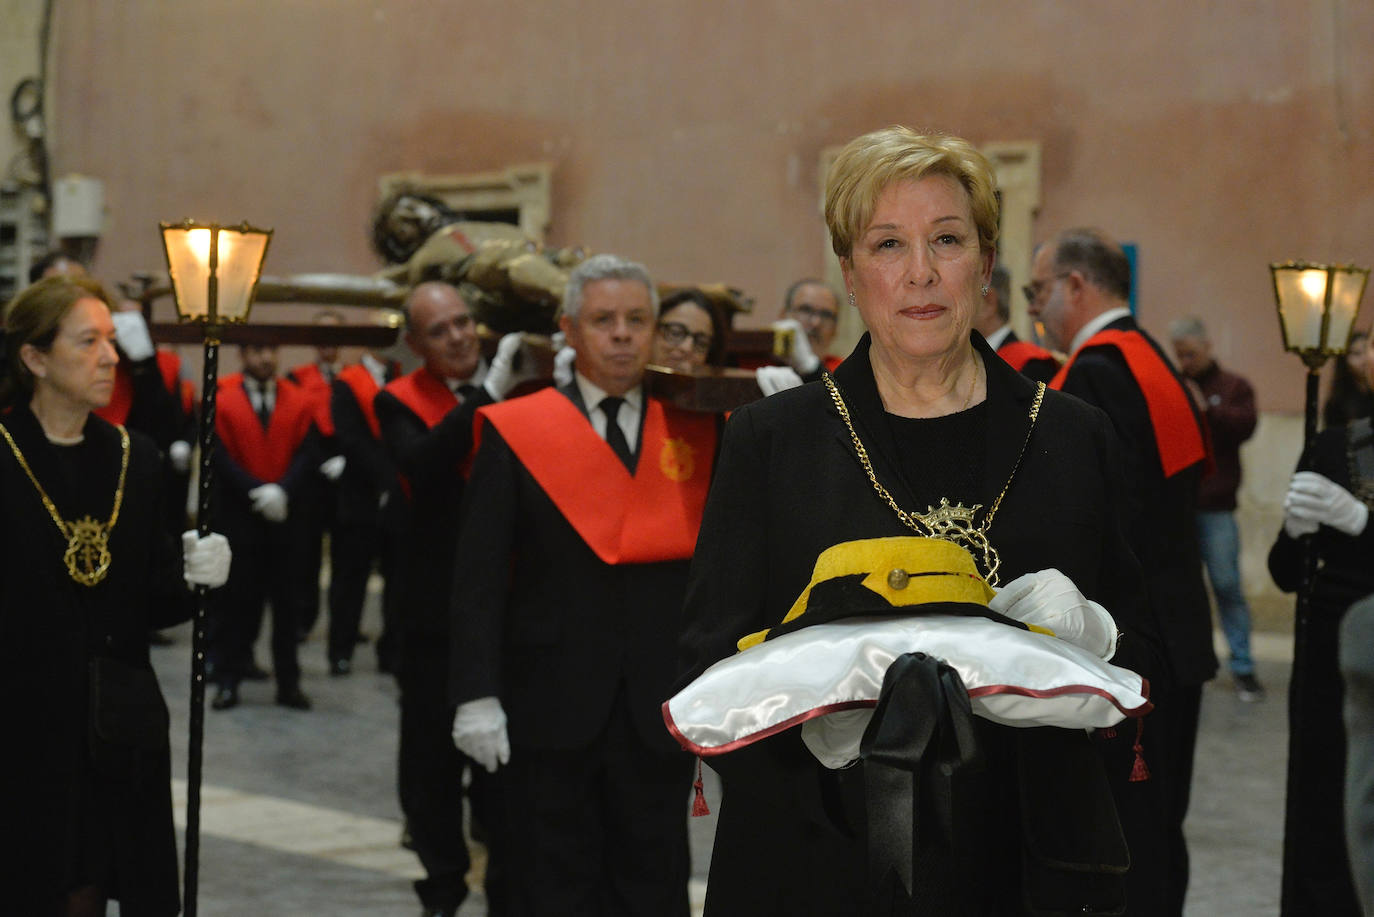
(187, 268)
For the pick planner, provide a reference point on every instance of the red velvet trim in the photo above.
(800, 718)
(831, 363)
(365, 389)
(265, 454)
(653, 516)
(425, 394)
(1181, 440)
(1019, 353)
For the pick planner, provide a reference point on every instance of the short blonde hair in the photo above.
(868, 164)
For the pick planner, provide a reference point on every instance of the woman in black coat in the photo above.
(1328, 499)
(925, 409)
(85, 570)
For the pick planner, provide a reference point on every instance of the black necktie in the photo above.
(264, 412)
(465, 391)
(615, 437)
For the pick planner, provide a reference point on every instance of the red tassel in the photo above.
(699, 799)
(1139, 772)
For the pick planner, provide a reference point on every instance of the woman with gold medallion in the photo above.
(921, 431)
(85, 571)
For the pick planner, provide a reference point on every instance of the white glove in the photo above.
(333, 467)
(801, 356)
(563, 366)
(131, 333)
(1313, 500)
(1049, 599)
(205, 561)
(180, 454)
(269, 501)
(774, 379)
(503, 376)
(479, 731)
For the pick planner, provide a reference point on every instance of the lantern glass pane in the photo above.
(188, 263)
(1347, 287)
(1301, 296)
(240, 260)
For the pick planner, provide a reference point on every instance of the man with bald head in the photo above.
(1080, 289)
(425, 419)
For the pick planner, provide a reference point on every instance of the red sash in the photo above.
(364, 389)
(1180, 440)
(1019, 353)
(265, 454)
(311, 381)
(425, 394)
(653, 516)
(121, 397)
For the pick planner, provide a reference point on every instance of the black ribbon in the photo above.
(920, 739)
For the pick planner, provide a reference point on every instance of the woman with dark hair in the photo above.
(86, 570)
(691, 333)
(1326, 513)
(923, 430)
(1350, 397)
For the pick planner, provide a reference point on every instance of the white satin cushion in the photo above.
(1013, 676)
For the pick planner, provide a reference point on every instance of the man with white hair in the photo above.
(578, 521)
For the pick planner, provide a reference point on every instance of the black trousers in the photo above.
(430, 782)
(353, 550)
(600, 830)
(1152, 811)
(313, 509)
(260, 573)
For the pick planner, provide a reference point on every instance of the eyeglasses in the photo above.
(1033, 289)
(676, 333)
(821, 315)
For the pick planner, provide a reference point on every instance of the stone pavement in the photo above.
(299, 811)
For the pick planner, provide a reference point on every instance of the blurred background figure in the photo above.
(1349, 396)
(691, 333)
(993, 322)
(1227, 402)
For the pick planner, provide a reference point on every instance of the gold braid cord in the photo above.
(954, 523)
(88, 541)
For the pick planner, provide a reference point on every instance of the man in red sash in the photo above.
(993, 322)
(579, 519)
(425, 421)
(267, 446)
(1080, 288)
(320, 488)
(368, 495)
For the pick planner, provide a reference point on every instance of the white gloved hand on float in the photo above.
(774, 379)
(479, 731)
(802, 358)
(504, 376)
(1049, 599)
(1314, 500)
(333, 467)
(131, 333)
(269, 501)
(563, 366)
(205, 561)
(179, 453)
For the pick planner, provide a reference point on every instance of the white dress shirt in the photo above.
(1096, 325)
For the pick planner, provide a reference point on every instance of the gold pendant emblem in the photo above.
(88, 551)
(677, 460)
(955, 524)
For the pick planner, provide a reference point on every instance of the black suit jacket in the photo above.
(369, 472)
(789, 485)
(1163, 529)
(542, 622)
(430, 460)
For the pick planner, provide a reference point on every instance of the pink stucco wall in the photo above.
(1216, 136)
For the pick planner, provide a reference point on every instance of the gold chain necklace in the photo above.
(948, 523)
(88, 541)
